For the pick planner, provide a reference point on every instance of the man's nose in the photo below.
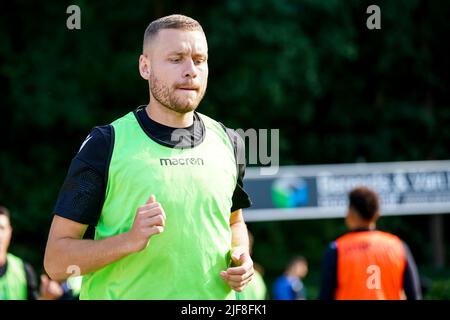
(190, 70)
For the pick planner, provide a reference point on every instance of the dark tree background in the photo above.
(338, 92)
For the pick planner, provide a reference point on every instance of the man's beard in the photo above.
(166, 96)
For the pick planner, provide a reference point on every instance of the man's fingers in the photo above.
(239, 278)
(241, 283)
(237, 282)
(44, 280)
(235, 271)
(238, 285)
(245, 282)
(151, 199)
(240, 270)
(149, 231)
(235, 278)
(152, 212)
(149, 206)
(153, 221)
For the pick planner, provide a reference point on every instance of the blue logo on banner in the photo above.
(290, 193)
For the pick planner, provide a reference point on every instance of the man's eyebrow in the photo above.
(185, 52)
(177, 52)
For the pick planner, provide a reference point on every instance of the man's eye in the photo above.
(199, 61)
(176, 60)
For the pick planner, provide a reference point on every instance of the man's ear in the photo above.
(144, 66)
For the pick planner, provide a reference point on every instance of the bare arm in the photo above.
(67, 250)
(240, 274)
(239, 234)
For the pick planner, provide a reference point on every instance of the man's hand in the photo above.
(149, 220)
(50, 289)
(242, 271)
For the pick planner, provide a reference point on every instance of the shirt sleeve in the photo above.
(240, 199)
(82, 194)
(32, 284)
(328, 281)
(411, 281)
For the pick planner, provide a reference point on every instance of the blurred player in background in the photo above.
(366, 263)
(290, 286)
(17, 278)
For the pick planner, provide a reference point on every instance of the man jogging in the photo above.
(162, 186)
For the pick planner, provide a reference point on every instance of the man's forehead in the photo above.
(168, 40)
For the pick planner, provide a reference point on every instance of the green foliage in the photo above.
(440, 290)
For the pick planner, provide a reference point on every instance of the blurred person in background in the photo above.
(17, 278)
(365, 263)
(290, 286)
(256, 289)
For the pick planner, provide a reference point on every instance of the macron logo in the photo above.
(85, 141)
(181, 161)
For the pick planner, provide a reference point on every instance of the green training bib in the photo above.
(195, 187)
(13, 284)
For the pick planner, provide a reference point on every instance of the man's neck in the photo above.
(364, 226)
(168, 117)
(2, 259)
